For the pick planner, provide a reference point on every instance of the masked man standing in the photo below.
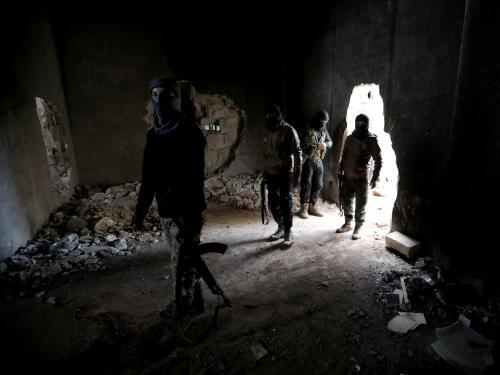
(282, 167)
(359, 147)
(315, 144)
(173, 171)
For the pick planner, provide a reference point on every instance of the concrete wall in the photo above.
(471, 204)
(30, 69)
(411, 49)
(107, 63)
(354, 47)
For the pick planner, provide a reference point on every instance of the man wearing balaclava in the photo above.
(316, 142)
(173, 172)
(359, 147)
(281, 168)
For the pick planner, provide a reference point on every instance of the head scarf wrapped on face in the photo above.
(361, 126)
(318, 117)
(273, 116)
(167, 104)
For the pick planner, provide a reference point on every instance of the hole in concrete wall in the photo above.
(365, 98)
(221, 121)
(56, 147)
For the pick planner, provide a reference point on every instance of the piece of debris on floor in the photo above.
(258, 351)
(406, 321)
(464, 348)
(403, 244)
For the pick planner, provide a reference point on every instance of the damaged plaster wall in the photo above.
(221, 122)
(411, 50)
(27, 195)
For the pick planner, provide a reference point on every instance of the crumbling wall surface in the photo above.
(31, 69)
(107, 62)
(222, 123)
(239, 191)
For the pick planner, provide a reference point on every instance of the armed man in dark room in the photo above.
(317, 140)
(359, 147)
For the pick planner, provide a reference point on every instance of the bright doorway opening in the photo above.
(366, 99)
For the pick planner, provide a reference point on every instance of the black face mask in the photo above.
(317, 125)
(273, 120)
(166, 106)
(361, 130)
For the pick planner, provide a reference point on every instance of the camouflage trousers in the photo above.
(358, 188)
(183, 235)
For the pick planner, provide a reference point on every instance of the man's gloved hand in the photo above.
(136, 224)
(373, 183)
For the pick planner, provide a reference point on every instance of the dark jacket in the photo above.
(357, 153)
(174, 171)
(282, 152)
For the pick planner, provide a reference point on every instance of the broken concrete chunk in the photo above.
(120, 244)
(110, 238)
(402, 243)
(51, 270)
(258, 351)
(75, 224)
(215, 186)
(18, 262)
(70, 243)
(104, 225)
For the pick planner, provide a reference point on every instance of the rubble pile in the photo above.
(90, 227)
(241, 191)
(440, 296)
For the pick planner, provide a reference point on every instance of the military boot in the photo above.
(288, 238)
(356, 235)
(280, 233)
(303, 211)
(313, 210)
(346, 227)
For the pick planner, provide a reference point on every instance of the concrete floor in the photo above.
(297, 304)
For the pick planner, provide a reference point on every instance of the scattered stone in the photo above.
(51, 300)
(402, 243)
(69, 243)
(18, 262)
(120, 244)
(85, 231)
(258, 351)
(110, 238)
(51, 270)
(75, 224)
(104, 225)
(40, 294)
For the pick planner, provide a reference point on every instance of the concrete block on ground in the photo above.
(402, 243)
